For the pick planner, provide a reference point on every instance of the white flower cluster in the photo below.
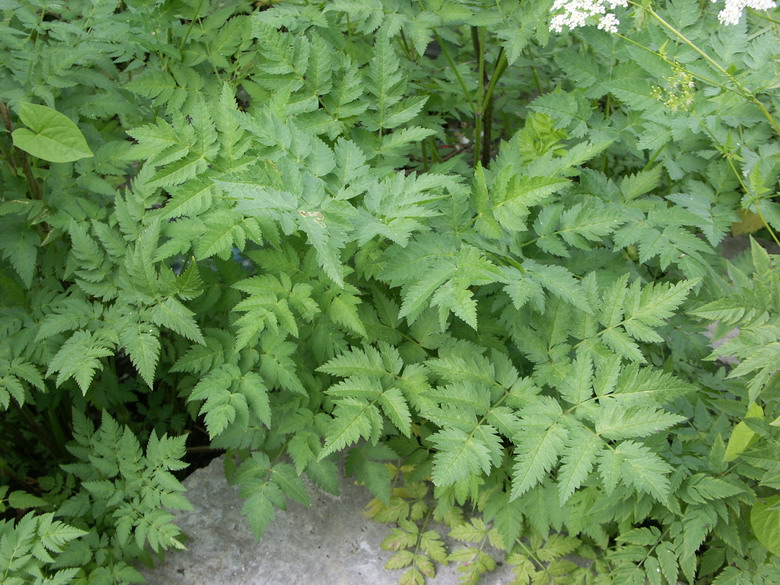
(576, 13)
(734, 8)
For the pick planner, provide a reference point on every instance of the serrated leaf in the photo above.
(290, 483)
(633, 186)
(252, 386)
(343, 310)
(559, 281)
(78, 358)
(644, 470)
(668, 561)
(172, 314)
(143, 347)
(538, 446)
(617, 421)
(458, 456)
(218, 417)
(395, 408)
(401, 559)
(21, 500)
(260, 506)
(352, 421)
(577, 461)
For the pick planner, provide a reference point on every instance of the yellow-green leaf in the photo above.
(750, 222)
(49, 135)
(742, 435)
(766, 524)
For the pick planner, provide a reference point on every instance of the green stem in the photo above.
(739, 178)
(56, 429)
(424, 149)
(434, 151)
(745, 92)
(454, 67)
(5, 114)
(685, 40)
(655, 156)
(487, 112)
(671, 63)
(40, 433)
(477, 38)
(422, 531)
(32, 183)
(35, 188)
(8, 159)
(8, 470)
(607, 114)
(487, 133)
(192, 23)
(762, 15)
(405, 47)
(766, 224)
(349, 38)
(501, 67)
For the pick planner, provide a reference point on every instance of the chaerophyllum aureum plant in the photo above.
(465, 252)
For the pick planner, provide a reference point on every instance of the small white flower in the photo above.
(573, 14)
(734, 8)
(609, 23)
(576, 13)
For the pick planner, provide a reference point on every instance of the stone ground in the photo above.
(329, 543)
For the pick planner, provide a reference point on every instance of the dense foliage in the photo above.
(477, 256)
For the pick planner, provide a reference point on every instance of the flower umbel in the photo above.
(573, 14)
(576, 13)
(734, 8)
(679, 91)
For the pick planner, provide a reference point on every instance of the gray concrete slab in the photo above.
(329, 543)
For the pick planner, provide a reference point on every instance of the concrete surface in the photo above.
(329, 543)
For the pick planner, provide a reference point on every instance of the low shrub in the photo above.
(474, 245)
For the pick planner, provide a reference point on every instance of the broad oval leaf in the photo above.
(766, 524)
(49, 135)
(742, 436)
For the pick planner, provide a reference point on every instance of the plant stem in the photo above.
(56, 428)
(434, 151)
(717, 66)
(537, 80)
(192, 23)
(35, 188)
(405, 47)
(501, 66)
(487, 111)
(753, 200)
(685, 40)
(454, 67)
(477, 38)
(671, 63)
(8, 470)
(487, 131)
(5, 114)
(349, 38)
(760, 14)
(41, 433)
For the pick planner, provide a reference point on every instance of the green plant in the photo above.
(473, 255)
